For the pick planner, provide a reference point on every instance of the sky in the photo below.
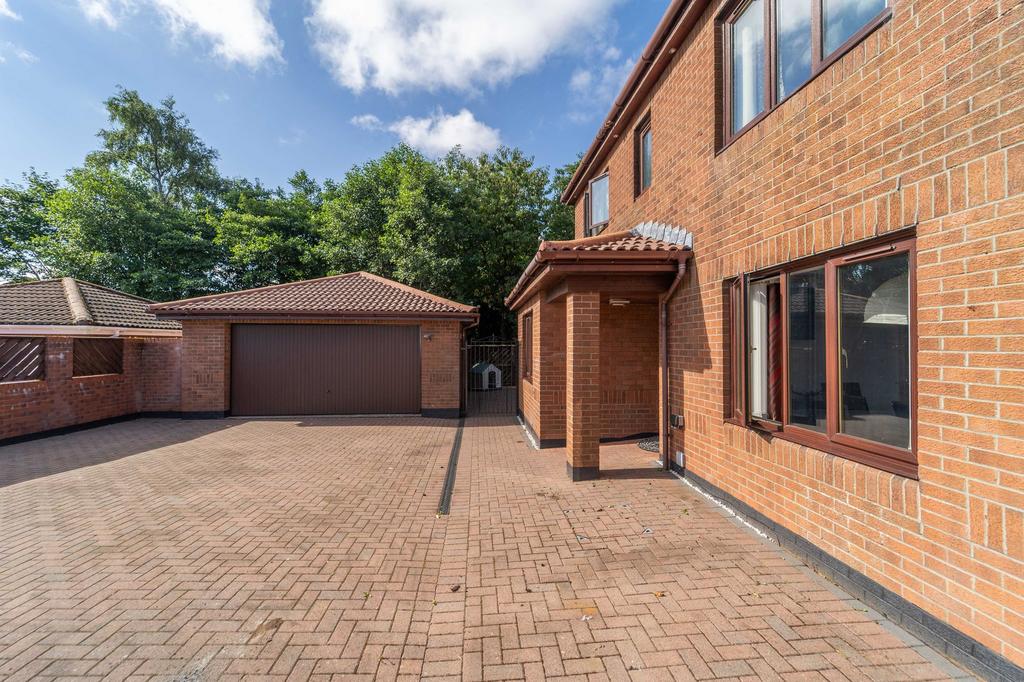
(281, 85)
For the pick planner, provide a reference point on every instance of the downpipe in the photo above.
(665, 299)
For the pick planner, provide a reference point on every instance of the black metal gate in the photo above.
(492, 378)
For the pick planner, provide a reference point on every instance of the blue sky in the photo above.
(278, 85)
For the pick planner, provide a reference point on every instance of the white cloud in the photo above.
(221, 97)
(592, 91)
(240, 30)
(6, 11)
(367, 122)
(294, 136)
(399, 45)
(439, 133)
(18, 52)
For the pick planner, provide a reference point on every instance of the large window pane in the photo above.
(807, 394)
(842, 18)
(748, 51)
(793, 43)
(874, 350)
(599, 201)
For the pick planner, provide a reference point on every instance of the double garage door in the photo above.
(306, 369)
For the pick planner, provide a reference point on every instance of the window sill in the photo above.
(21, 382)
(595, 230)
(97, 376)
(886, 463)
(837, 54)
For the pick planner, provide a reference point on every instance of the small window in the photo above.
(98, 356)
(528, 346)
(644, 146)
(22, 359)
(822, 353)
(598, 214)
(773, 47)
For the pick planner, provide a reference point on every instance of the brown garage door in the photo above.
(286, 369)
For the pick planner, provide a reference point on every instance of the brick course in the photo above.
(921, 125)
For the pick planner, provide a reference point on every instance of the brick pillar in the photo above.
(582, 385)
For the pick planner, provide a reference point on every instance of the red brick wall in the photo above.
(629, 369)
(62, 400)
(542, 398)
(921, 123)
(440, 361)
(206, 367)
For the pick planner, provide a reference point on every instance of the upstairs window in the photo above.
(773, 47)
(822, 353)
(643, 141)
(597, 215)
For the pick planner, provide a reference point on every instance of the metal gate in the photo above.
(492, 378)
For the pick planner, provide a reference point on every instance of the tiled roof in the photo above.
(646, 242)
(74, 302)
(643, 237)
(351, 295)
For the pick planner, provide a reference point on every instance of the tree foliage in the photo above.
(148, 213)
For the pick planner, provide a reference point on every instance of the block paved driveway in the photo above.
(211, 550)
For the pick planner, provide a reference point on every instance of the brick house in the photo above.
(799, 258)
(347, 344)
(74, 353)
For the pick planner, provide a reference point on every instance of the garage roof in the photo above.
(356, 295)
(68, 301)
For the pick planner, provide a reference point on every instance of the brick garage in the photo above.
(44, 324)
(912, 131)
(356, 300)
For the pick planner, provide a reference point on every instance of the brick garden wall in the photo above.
(61, 400)
(921, 124)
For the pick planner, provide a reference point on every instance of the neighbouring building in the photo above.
(75, 353)
(799, 258)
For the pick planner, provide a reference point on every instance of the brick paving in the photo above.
(275, 549)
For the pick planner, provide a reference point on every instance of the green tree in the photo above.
(560, 219)
(156, 145)
(113, 230)
(268, 236)
(392, 216)
(23, 224)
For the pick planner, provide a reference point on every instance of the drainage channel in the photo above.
(449, 477)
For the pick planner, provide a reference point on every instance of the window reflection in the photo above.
(748, 65)
(807, 395)
(842, 18)
(874, 344)
(793, 42)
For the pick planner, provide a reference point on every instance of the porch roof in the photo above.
(648, 247)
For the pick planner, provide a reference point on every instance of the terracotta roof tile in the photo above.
(652, 237)
(349, 295)
(46, 303)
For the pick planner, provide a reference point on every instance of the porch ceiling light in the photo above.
(619, 301)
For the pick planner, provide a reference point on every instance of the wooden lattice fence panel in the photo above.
(22, 359)
(98, 356)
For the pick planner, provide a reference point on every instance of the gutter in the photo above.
(85, 331)
(663, 334)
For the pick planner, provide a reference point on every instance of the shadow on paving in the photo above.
(20, 462)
